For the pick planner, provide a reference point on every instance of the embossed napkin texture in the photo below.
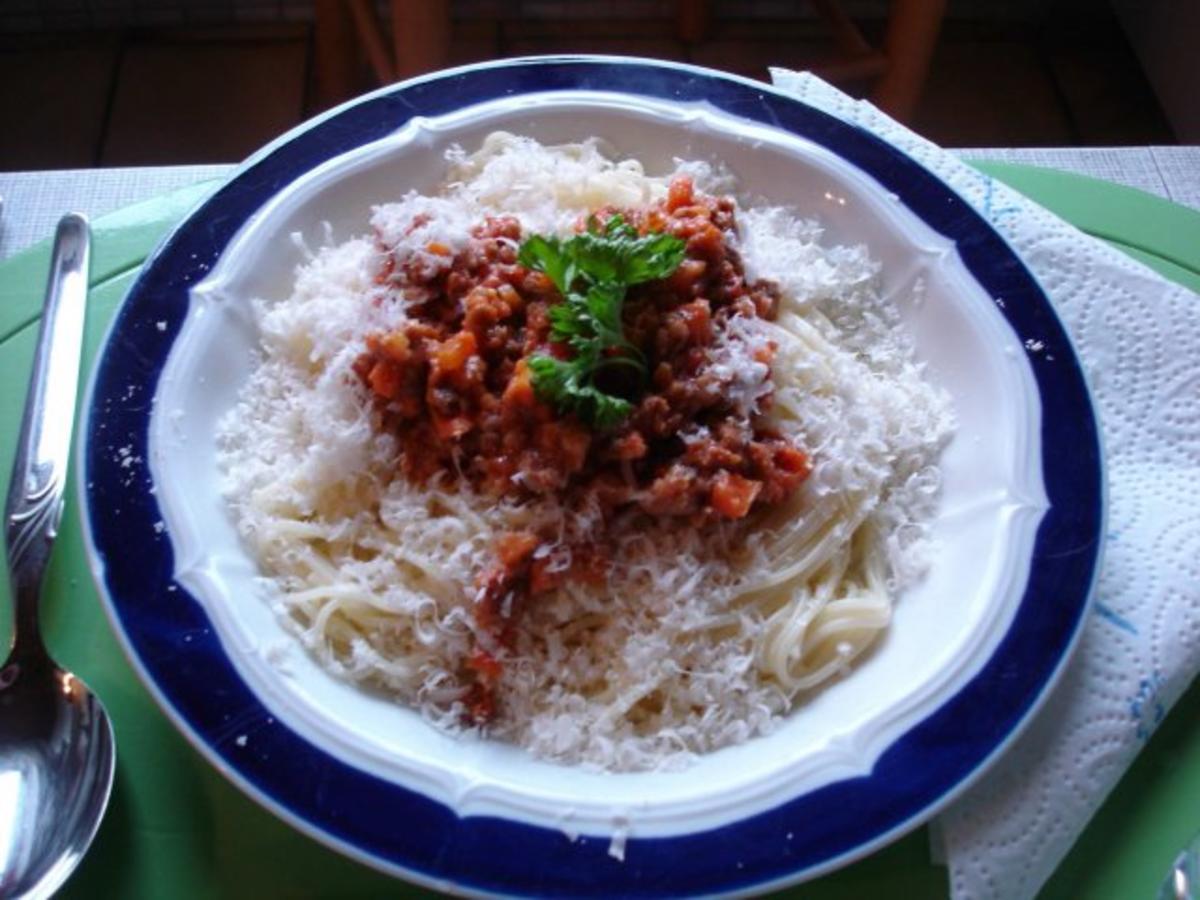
(1138, 337)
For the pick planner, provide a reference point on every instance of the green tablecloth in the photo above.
(176, 828)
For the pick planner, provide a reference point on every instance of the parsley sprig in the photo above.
(593, 271)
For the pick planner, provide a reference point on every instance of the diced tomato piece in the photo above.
(386, 271)
(589, 565)
(541, 579)
(629, 446)
(686, 278)
(576, 440)
(536, 282)
(513, 548)
(707, 241)
(732, 495)
(492, 585)
(485, 664)
(792, 459)
(765, 353)
(698, 318)
(566, 441)
(679, 192)
(417, 221)
(481, 704)
(451, 428)
(654, 221)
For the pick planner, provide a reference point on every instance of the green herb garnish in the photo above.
(593, 271)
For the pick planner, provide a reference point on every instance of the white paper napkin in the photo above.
(1139, 339)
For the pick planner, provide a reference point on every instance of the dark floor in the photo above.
(191, 95)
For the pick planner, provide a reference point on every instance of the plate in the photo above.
(970, 654)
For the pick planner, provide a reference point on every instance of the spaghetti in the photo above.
(661, 628)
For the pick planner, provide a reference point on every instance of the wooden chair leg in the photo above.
(421, 35)
(849, 38)
(335, 54)
(691, 20)
(912, 32)
(370, 33)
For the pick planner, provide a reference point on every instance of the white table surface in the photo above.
(33, 201)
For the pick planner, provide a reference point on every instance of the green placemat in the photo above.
(176, 828)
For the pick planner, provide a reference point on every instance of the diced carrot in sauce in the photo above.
(733, 495)
(518, 393)
(394, 344)
(452, 354)
(384, 379)
(438, 249)
(509, 296)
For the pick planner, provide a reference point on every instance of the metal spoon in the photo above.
(1183, 881)
(56, 742)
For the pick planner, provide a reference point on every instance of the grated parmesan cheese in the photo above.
(376, 576)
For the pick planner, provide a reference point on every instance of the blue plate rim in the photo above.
(589, 853)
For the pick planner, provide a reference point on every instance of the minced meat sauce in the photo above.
(454, 386)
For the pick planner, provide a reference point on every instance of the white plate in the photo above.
(865, 759)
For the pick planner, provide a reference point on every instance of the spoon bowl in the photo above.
(56, 773)
(1183, 881)
(57, 752)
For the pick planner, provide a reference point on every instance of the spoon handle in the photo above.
(35, 494)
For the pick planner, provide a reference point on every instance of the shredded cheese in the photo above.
(699, 640)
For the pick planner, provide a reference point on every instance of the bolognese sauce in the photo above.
(455, 386)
